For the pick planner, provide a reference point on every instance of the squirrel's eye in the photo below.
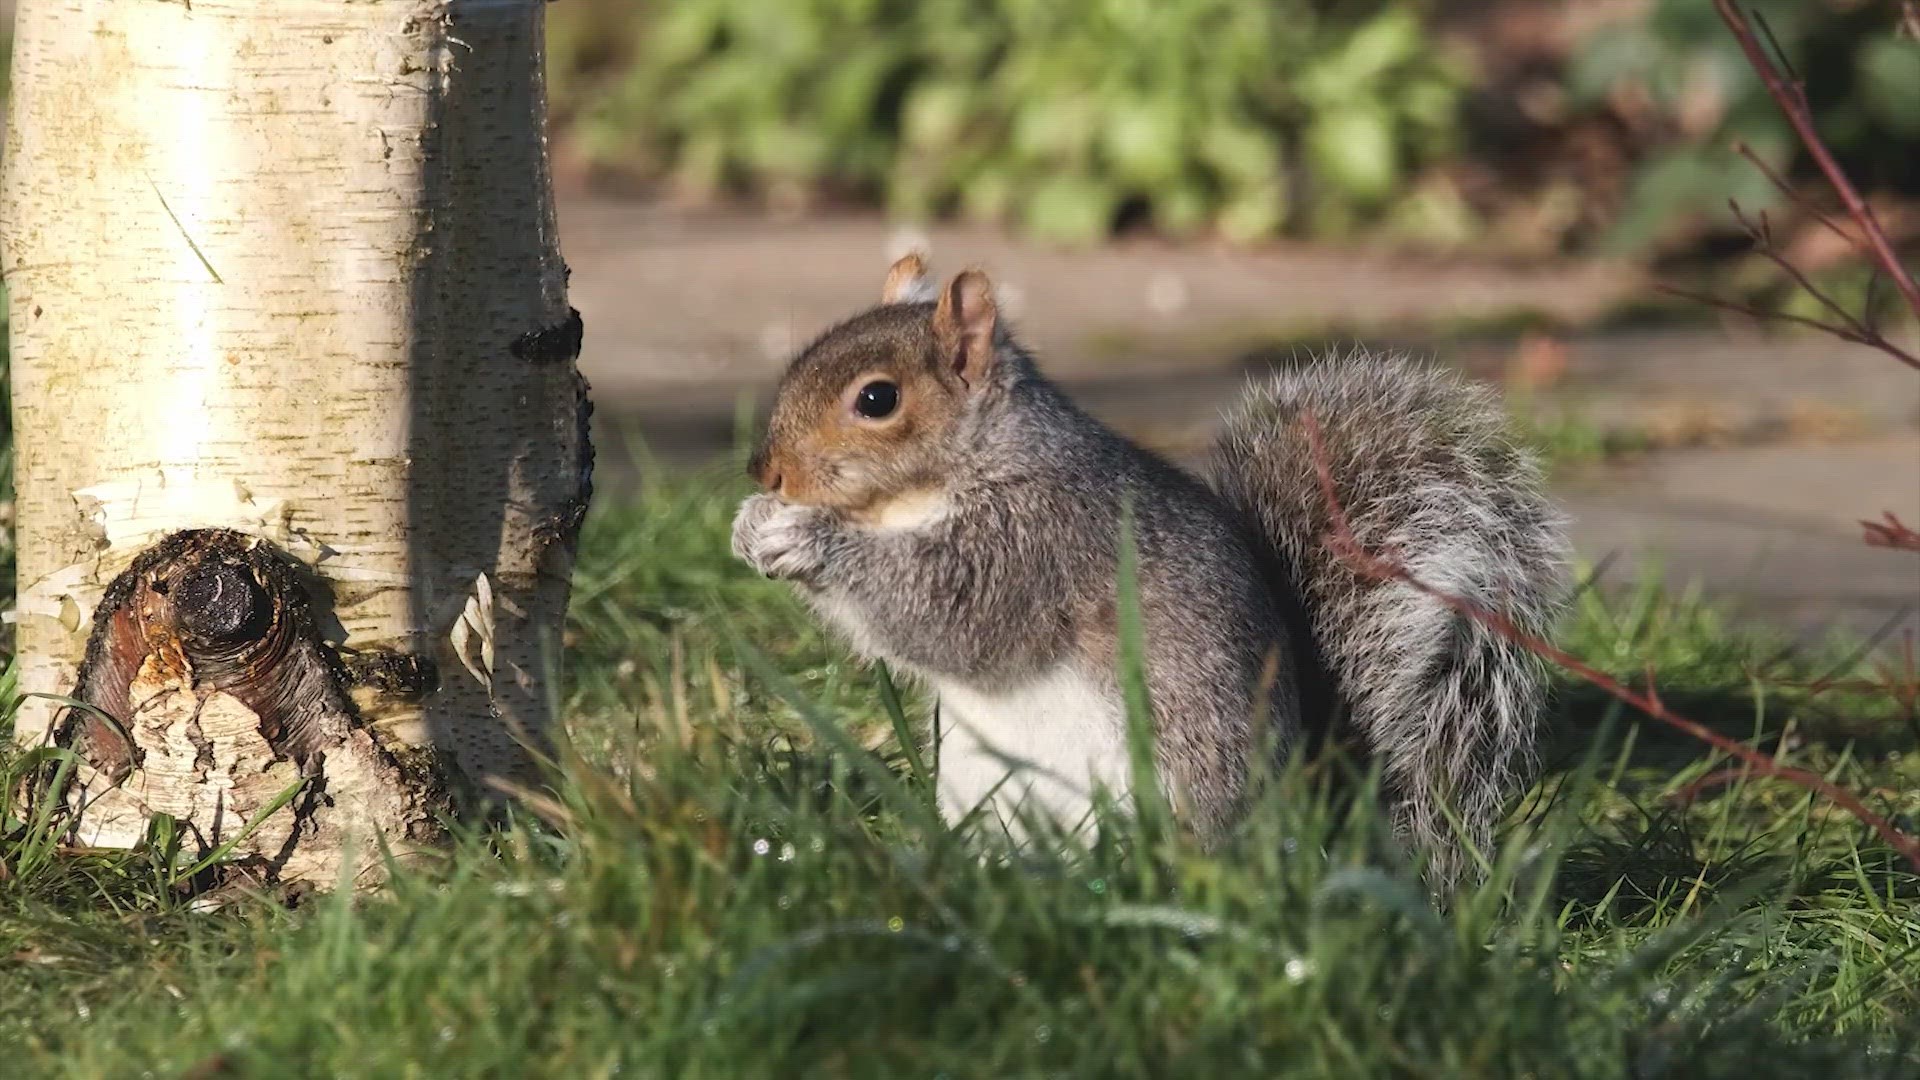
(877, 400)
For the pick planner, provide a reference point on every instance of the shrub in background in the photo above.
(1678, 82)
(1064, 117)
(1245, 118)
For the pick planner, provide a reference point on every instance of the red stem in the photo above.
(1893, 533)
(1379, 568)
(1792, 99)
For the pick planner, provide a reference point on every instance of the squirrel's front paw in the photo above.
(779, 539)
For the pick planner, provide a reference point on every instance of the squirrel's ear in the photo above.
(907, 280)
(963, 325)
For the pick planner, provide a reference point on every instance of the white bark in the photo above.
(268, 262)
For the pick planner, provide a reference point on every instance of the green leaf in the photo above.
(1352, 151)
(1435, 215)
(1142, 139)
(785, 148)
(1071, 209)
(1615, 54)
(1254, 214)
(681, 33)
(935, 115)
(1053, 130)
(988, 196)
(1387, 41)
(1241, 152)
(1181, 209)
(1390, 39)
(1890, 83)
(849, 98)
(1680, 184)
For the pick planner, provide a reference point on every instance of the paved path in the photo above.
(1776, 528)
(724, 298)
(1788, 441)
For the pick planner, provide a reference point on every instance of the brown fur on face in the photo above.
(817, 451)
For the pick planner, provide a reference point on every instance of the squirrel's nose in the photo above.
(760, 467)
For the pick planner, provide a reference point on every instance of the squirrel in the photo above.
(949, 511)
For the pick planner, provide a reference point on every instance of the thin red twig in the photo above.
(1871, 338)
(1891, 533)
(1896, 678)
(1762, 232)
(1781, 185)
(1382, 568)
(1849, 327)
(1891, 682)
(1686, 795)
(1791, 96)
(1904, 682)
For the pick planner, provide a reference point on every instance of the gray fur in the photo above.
(1425, 470)
(1019, 575)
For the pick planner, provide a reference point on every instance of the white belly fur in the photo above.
(1066, 730)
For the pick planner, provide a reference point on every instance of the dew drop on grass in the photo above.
(1299, 969)
(1098, 885)
(786, 852)
(896, 924)
(762, 846)
(816, 845)
(1042, 1033)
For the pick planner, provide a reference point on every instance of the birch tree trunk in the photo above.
(301, 443)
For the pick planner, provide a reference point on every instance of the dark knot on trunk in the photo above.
(219, 604)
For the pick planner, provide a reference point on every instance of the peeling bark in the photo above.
(206, 658)
(290, 270)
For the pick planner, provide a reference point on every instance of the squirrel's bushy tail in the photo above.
(1426, 471)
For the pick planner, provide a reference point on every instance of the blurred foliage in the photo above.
(1065, 117)
(1677, 80)
(1247, 119)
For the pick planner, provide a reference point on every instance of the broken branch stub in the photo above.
(206, 656)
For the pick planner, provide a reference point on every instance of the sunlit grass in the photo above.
(740, 874)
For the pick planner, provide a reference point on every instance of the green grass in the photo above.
(739, 875)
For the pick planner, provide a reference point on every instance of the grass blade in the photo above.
(902, 730)
(1149, 800)
(286, 796)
